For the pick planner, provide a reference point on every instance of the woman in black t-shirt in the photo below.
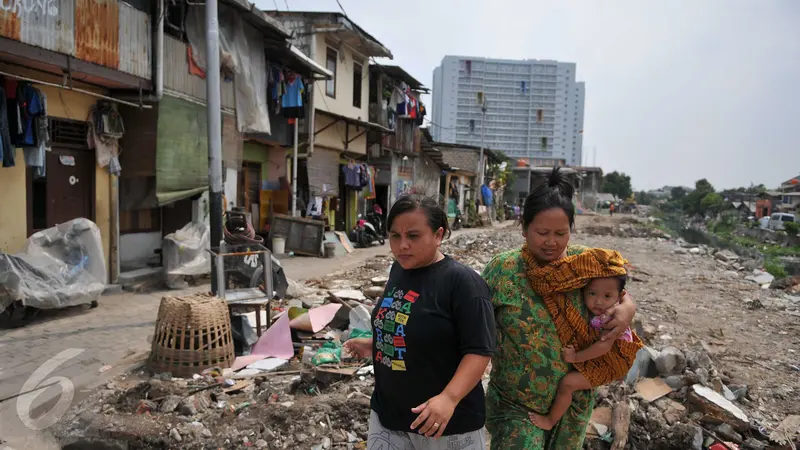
(433, 337)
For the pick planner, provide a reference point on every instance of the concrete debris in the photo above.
(760, 278)
(726, 256)
(670, 361)
(710, 403)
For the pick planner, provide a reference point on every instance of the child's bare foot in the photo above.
(541, 421)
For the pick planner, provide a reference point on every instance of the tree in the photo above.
(677, 193)
(643, 198)
(695, 203)
(618, 184)
(712, 203)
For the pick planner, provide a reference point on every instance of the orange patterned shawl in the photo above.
(554, 280)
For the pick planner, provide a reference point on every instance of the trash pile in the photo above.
(294, 387)
(678, 399)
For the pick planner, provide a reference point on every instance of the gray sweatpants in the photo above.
(382, 439)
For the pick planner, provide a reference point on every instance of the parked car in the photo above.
(777, 220)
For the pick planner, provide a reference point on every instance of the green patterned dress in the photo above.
(528, 365)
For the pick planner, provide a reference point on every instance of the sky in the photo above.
(675, 90)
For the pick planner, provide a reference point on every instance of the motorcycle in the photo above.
(364, 233)
(376, 219)
(458, 221)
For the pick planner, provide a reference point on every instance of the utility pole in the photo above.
(294, 169)
(214, 131)
(594, 158)
(483, 135)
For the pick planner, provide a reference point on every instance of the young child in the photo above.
(518, 213)
(599, 295)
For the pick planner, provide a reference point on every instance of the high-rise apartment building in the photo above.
(534, 108)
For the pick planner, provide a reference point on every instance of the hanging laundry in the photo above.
(30, 106)
(105, 145)
(7, 150)
(292, 100)
(421, 114)
(314, 207)
(35, 155)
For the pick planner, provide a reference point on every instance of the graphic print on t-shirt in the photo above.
(390, 323)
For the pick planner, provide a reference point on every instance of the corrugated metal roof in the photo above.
(134, 41)
(10, 24)
(109, 33)
(53, 29)
(97, 32)
(178, 78)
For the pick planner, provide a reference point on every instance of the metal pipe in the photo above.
(312, 114)
(61, 86)
(214, 132)
(294, 168)
(160, 50)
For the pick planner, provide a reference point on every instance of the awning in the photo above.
(291, 57)
(398, 73)
(356, 122)
(361, 127)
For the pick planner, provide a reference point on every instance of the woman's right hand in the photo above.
(359, 347)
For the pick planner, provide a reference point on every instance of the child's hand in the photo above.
(570, 354)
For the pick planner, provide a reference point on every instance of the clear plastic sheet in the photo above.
(185, 253)
(59, 267)
(241, 52)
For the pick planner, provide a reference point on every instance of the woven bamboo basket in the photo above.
(193, 333)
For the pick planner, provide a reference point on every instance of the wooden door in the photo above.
(70, 185)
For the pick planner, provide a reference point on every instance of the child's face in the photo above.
(601, 294)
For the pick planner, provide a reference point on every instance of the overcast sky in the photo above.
(675, 90)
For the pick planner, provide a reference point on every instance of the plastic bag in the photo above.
(329, 353)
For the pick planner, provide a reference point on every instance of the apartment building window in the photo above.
(544, 144)
(357, 82)
(330, 64)
(539, 115)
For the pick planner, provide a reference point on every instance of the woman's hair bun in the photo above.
(559, 181)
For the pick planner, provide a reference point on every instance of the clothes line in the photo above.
(82, 91)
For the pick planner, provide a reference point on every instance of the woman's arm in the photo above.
(621, 318)
(439, 409)
(595, 350)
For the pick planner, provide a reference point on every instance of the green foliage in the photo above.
(643, 198)
(618, 184)
(677, 193)
(776, 269)
(791, 228)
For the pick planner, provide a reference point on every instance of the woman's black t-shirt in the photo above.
(427, 320)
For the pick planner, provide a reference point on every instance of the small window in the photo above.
(787, 218)
(330, 64)
(358, 80)
(471, 125)
(539, 115)
(544, 144)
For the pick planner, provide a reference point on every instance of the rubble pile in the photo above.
(628, 227)
(680, 394)
(289, 409)
(678, 399)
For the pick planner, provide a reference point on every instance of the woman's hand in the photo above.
(570, 354)
(621, 316)
(359, 347)
(434, 415)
